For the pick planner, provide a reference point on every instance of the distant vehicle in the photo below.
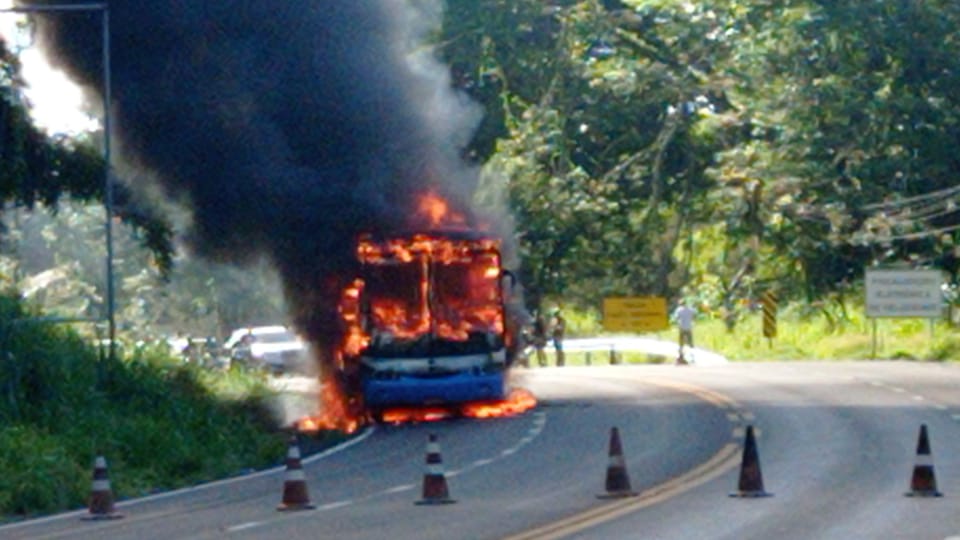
(275, 349)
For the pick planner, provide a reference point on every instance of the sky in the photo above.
(57, 101)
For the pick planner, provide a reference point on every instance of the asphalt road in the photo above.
(837, 446)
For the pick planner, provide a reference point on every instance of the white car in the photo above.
(273, 348)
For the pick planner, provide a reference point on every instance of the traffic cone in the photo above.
(923, 483)
(751, 478)
(101, 496)
(434, 482)
(618, 481)
(295, 495)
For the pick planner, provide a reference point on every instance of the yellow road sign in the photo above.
(635, 314)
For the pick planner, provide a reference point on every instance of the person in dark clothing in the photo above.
(558, 328)
(540, 339)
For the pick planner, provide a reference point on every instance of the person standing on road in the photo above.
(683, 316)
(540, 338)
(558, 328)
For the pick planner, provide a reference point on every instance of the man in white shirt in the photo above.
(684, 315)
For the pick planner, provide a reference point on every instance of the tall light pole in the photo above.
(104, 10)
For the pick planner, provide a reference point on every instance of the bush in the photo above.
(161, 424)
(38, 474)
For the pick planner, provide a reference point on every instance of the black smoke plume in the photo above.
(287, 127)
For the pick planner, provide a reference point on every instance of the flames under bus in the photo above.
(426, 320)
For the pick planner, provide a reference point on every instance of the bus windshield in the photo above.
(426, 307)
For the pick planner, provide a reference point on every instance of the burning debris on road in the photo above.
(291, 130)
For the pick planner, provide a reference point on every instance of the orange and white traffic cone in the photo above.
(295, 495)
(434, 482)
(617, 483)
(101, 496)
(750, 484)
(923, 483)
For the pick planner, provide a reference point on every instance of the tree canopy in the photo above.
(714, 148)
(40, 169)
(707, 149)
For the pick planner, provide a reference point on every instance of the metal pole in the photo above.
(108, 179)
(55, 7)
(108, 185)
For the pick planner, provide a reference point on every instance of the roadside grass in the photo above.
(802, 334)
(816, 338)
(161, 424)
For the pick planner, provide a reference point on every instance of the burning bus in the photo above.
(427, 326)
(425, 320)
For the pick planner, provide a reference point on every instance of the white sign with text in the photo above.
(904, 293)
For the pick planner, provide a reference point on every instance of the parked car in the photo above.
(276, 349)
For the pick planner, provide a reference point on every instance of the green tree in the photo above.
(714, 148)
(42, 170)
(601, 164)
(850, 111)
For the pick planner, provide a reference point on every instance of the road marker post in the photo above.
(923, 483)
(617, 483)
(101, 496)
(295, 496)
(435, 489)
(750, 484)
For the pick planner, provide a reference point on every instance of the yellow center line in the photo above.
(727, 458)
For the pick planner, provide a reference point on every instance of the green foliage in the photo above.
(39, 169)
(657, 147)
(599, 150)
(709, 149)
(836, 330)
(806, 336)
(58, 261)
(161, 424)
(38, 472)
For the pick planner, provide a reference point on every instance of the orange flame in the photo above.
(444, 285)
(436, 211)
(354, 339)
(336, 413)
(402, 415)
(519, 401)
(466, 274)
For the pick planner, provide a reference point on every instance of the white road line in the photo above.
(955, 417)
(335, 505)
(919, 398)
(481, 462)
(399, 489)
(244, 526)
(898, 390)
(941, 407)
(733, 417)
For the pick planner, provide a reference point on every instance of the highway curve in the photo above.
(836, 443)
